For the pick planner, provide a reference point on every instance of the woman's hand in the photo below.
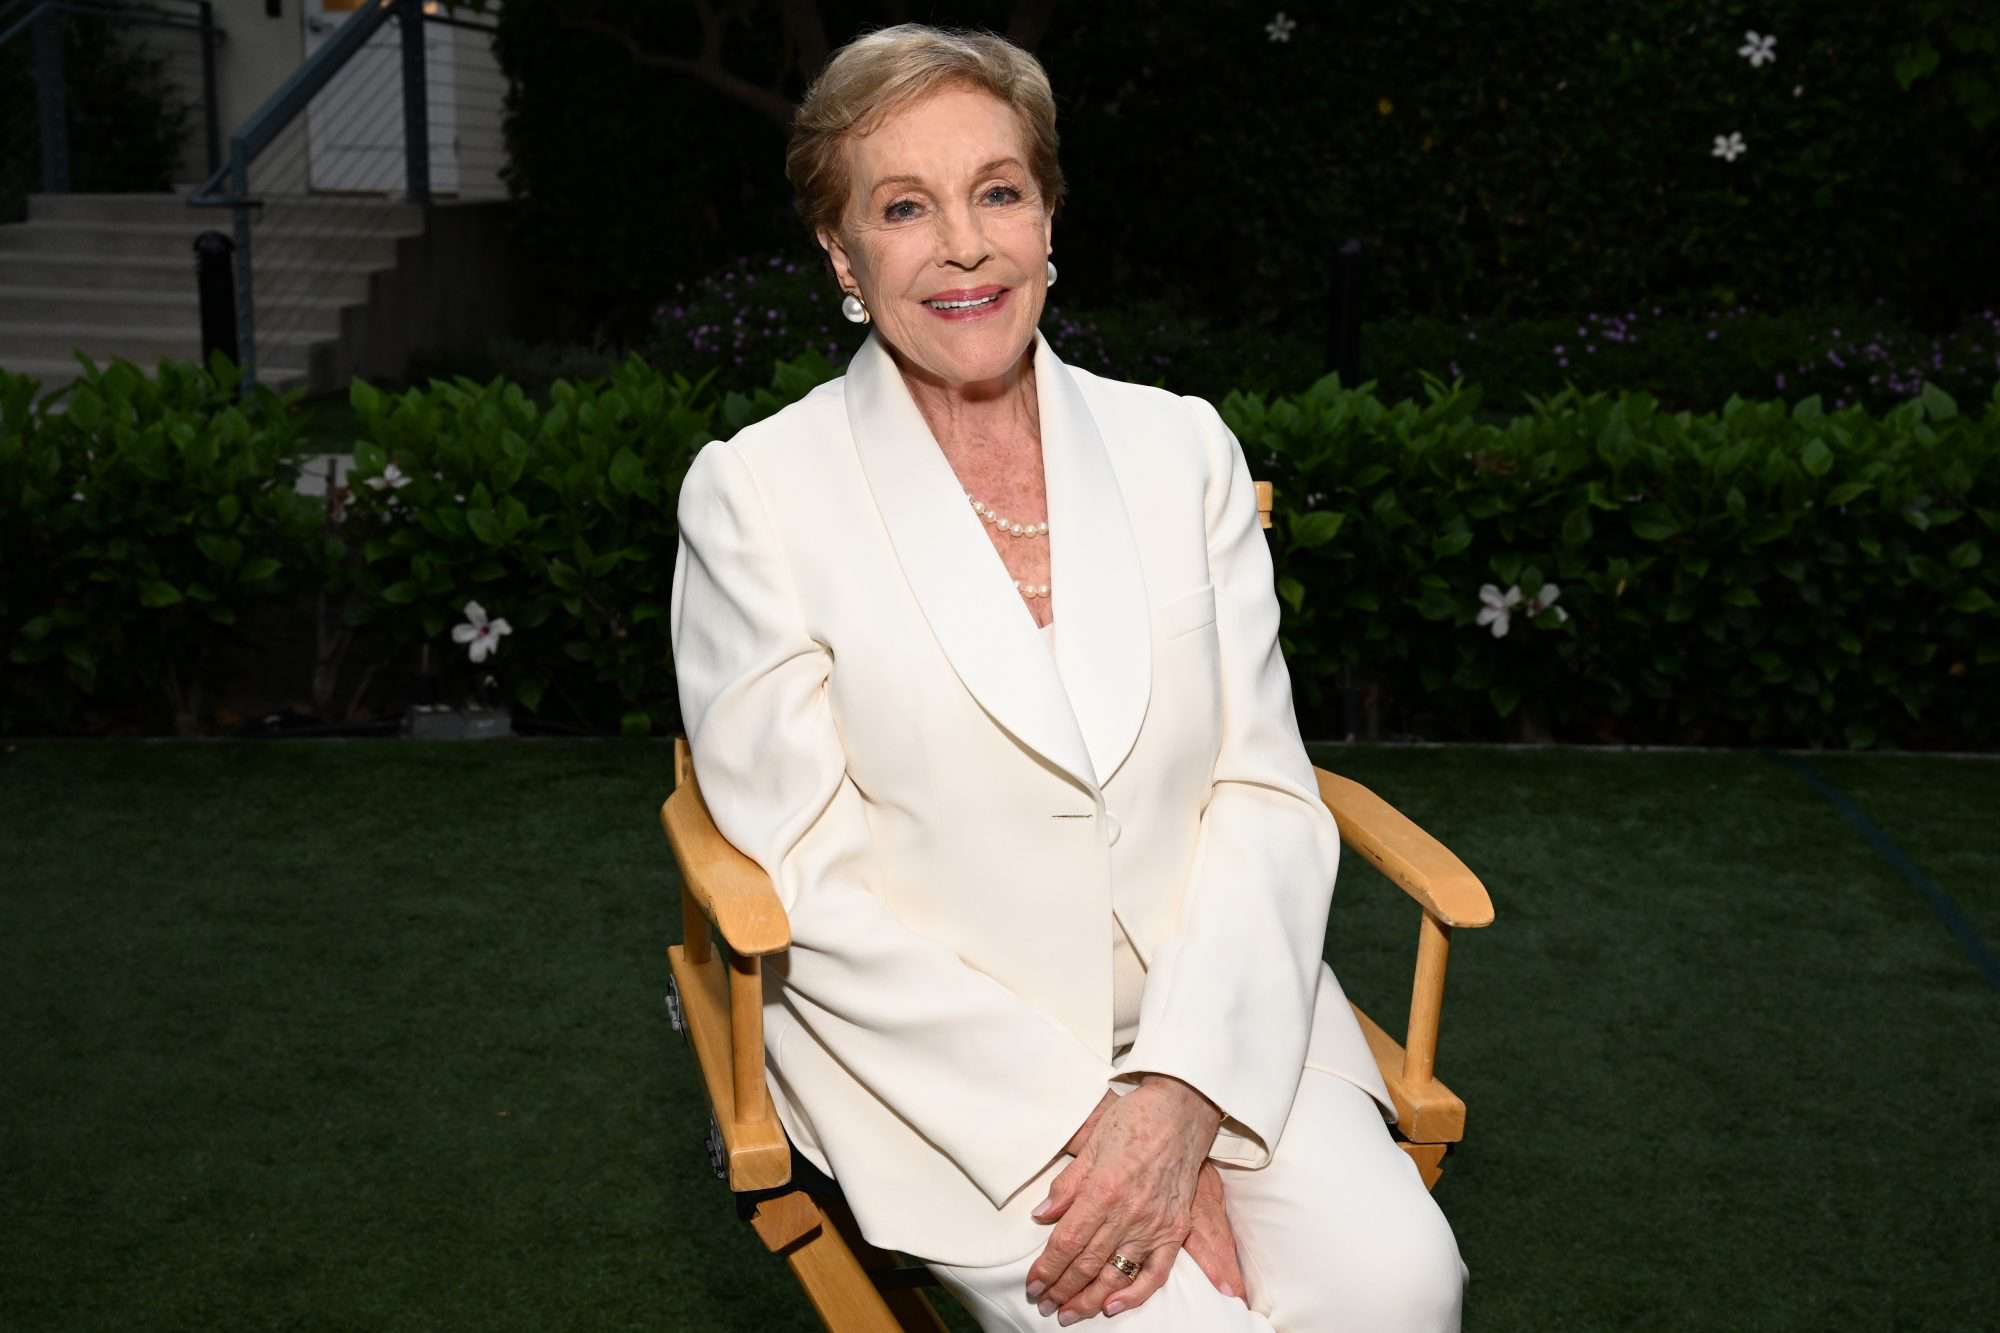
(1211, 1243)
(1131, 1191)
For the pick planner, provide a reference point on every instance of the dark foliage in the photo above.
(1500, 161)
(126, 120)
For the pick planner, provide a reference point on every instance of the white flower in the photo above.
(1545, 599)
(1798, 90)
(480, 635)
(392, 476)
(1279, 29)
(1729, 147)
(1758, 50)
(76, 495)
(1498, 610)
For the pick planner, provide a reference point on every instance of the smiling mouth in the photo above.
(973, 304)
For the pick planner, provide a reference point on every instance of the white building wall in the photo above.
(259, 52)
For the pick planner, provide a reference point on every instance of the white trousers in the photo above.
(1336, 1232)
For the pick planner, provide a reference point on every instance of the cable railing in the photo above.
(396, 106)
(103, 96)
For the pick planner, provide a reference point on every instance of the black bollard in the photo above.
(1343, 343)
(215, 277)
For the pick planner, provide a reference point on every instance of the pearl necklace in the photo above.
(980, 508)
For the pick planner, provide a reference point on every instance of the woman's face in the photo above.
(945, 236)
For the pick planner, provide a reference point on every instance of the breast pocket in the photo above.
(1184, 615)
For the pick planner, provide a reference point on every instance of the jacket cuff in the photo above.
(1235, 1142)
(1023, 1151)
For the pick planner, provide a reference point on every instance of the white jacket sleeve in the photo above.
(998, 1086)
(1228, 1006)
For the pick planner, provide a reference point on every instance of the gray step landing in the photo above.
(134, 273)
(56, 373)
(145, 344)
(174, 210)
(107, 308)
(314, 244)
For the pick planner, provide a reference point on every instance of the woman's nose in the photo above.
(961, 238)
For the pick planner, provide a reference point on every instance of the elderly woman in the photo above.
(978, 659)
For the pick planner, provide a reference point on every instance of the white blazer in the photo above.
(951, 814)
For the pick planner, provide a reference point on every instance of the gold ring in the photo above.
(1124, 1265)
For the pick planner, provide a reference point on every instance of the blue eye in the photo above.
(1007, 192)
(894, 211)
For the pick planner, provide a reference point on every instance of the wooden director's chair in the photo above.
(716, 1000)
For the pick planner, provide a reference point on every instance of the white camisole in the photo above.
(1128, 974)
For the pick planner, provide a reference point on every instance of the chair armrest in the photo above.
(732, 890)
(1414, 861)
(722, 1000)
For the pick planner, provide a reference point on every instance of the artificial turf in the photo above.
(313, 1035)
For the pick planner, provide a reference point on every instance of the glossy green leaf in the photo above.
(485, 525)
(626, 472)
(158, 593)
(1655, 523)
(1316, 529)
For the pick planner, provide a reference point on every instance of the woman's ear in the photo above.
(836, 255)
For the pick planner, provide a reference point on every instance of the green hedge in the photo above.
(1765, 574)
(146, 523)
(557, 519)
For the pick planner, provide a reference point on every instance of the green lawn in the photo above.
(368, 1036)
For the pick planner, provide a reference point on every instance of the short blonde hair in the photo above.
(880, 71)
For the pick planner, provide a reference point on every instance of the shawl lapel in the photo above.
(1103, 634)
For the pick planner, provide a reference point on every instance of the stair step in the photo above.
(96, 240)
(104, 306)
(55, 375)
(21, 341)
(174, 209)
(53, 372)
(137, 273)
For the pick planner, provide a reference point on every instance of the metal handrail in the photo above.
(291, 97)
(228, 186)
(141, 14)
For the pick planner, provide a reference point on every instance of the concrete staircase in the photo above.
(114, 276)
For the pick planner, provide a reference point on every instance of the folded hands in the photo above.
(1140, 1186)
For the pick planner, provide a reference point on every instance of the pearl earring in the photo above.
(1052, 273)
(854, 309)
